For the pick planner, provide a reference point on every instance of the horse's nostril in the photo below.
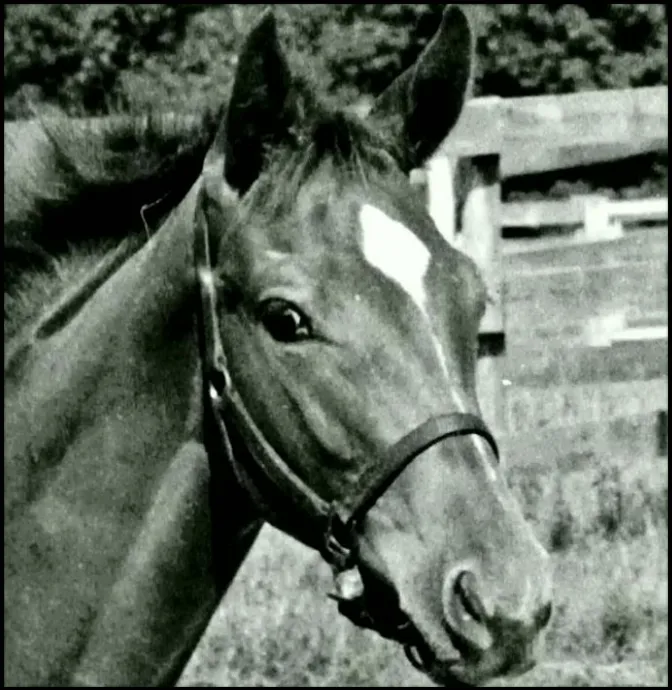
(466, 616)
(466, 591)
(544, 616)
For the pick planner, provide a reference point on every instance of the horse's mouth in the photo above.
(431, 646)
(452, 669)
(447, 673)
(460, 669)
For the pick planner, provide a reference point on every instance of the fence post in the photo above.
(662, 430)
(479, 235)
(464, 198)
(597, 224)
(441, 195)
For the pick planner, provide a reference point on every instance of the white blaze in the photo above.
(402, 256)
(396, 251)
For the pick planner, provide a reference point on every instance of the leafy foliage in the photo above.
(73, 55)
(97, 59)
(79, 56)
(529, 49)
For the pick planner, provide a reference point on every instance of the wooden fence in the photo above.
(596, 217)
(497, 138)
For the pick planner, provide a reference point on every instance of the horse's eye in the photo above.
(284, 321)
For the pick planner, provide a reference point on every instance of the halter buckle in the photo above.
(348, 586)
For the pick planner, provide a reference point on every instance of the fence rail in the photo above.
(598, 217)
(542, 133)
(499, 138)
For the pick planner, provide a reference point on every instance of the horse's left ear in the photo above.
(423, 104)
(259, 113)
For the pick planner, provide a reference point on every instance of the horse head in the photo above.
(340, 336)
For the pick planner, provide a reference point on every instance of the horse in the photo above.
(295, 343)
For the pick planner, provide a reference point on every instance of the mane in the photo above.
(90, 184)
(107, 164)
(128, 150)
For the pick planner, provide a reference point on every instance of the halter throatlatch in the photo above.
(338, 520)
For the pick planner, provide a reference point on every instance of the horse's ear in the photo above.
(423, 104)
(258, 115)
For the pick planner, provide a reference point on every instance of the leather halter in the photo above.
(337, 519)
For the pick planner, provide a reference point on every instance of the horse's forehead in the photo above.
(395, 250)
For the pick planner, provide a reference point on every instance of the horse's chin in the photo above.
(456, 671)
(451, 676)
(455, 674)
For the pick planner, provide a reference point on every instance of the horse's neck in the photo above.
(112, 489)
(118, 355)
(165, 592)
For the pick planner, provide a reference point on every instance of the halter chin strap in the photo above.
(337, 519)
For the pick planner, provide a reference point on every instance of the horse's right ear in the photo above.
(423, 104)
(259, 113)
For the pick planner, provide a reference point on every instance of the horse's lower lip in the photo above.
(459, 672)
(449, 678)
(450, 674)
(445, 672)
(453, 672)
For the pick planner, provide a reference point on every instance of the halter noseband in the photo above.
(339, 518)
